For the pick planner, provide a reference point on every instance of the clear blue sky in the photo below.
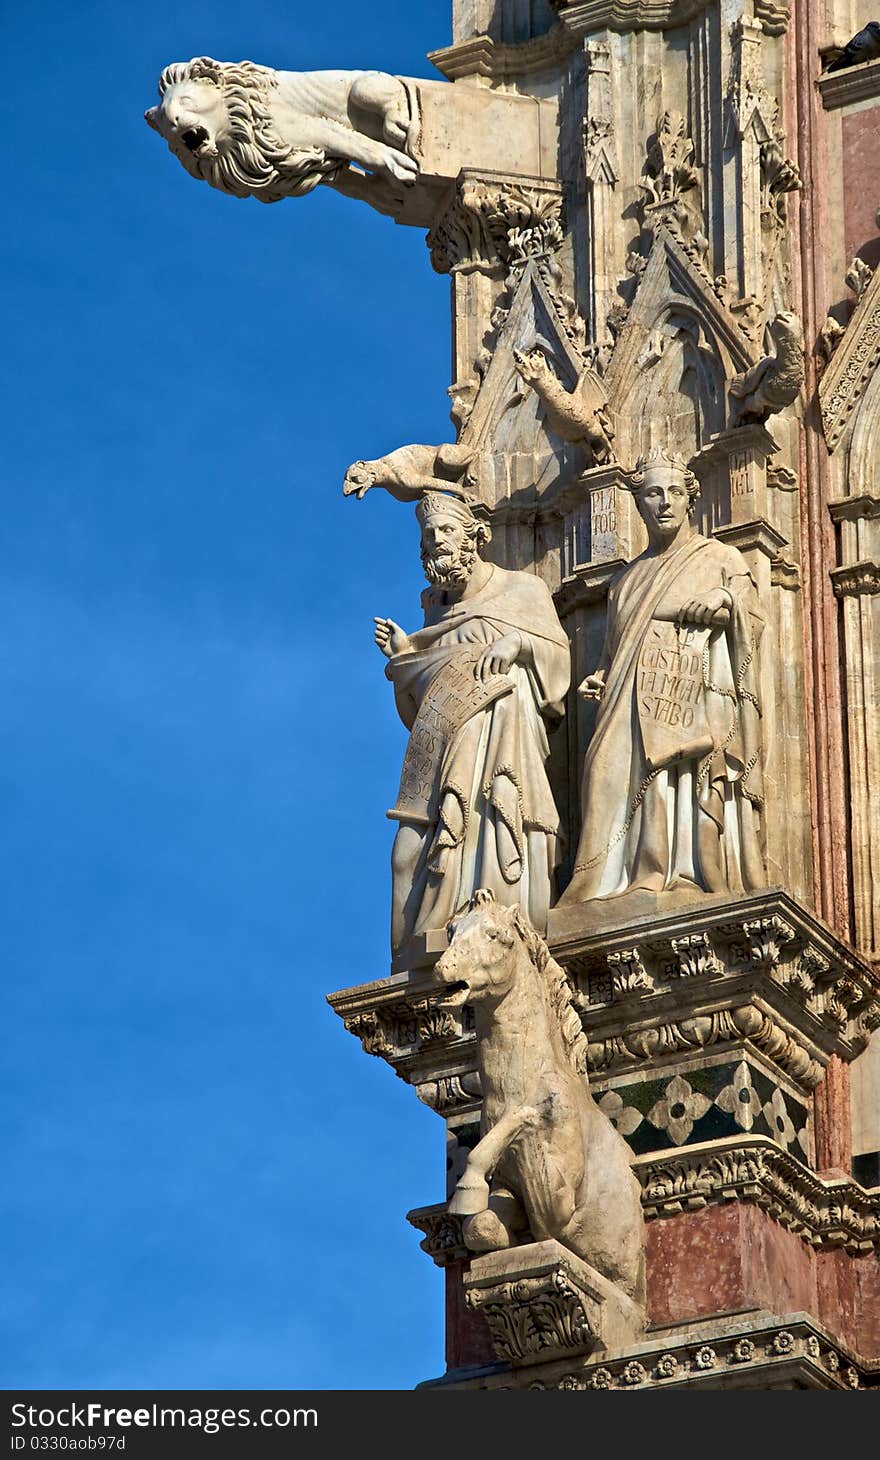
(206, 1179)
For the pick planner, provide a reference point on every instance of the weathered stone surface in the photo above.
(541, 1303)
(549, 1163)
(475, 688)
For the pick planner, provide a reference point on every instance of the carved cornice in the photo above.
(581, 16)
(853, 509)
(852, 365)
(754, 1169)
(716, 975)
(756, 1350)
(853, 84)
(749, 1168)
(758, 534)
(856, 579)
(588, 585)
(773, 15)
(765, 973)
(480, 55)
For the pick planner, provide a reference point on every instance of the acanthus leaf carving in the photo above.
(695, 956)
(628, 973)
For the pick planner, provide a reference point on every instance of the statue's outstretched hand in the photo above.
(390, 637)
(499, 657)
(593, 687)
(711, 608)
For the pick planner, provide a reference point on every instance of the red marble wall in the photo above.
(861, 181)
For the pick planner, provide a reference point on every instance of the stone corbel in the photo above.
(541, 1303)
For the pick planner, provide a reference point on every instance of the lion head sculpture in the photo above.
(217, 118)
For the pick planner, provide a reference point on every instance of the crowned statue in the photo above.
(672, 784)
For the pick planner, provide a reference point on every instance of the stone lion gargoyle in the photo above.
(254, 132)
(549, 1163)
(777, 379)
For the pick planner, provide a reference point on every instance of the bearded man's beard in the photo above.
(450, 570)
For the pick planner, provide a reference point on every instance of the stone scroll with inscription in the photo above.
(671, 696)
(452, 698)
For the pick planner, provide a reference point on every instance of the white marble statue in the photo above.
(476, 687)
(255, 132)
(672, 785)
(549, 1163)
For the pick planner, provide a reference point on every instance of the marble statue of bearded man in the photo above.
(476, 687)
(672, 789)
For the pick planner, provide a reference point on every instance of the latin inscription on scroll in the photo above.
(671, 694)
(452, 698)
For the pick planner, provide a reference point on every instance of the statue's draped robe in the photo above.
(480, 793)
(641, 811)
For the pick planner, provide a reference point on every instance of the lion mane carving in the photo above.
(254, 132)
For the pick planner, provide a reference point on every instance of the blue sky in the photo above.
(206, 1178)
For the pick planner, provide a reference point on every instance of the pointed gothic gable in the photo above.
(677, 325)
(852, 366)
(517, 452)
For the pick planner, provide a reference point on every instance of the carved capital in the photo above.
(856, 579)
(495, 223)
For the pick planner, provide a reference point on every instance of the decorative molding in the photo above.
(755, 535)
(628, 973)
(766, 975)
(773, 15)
(756, 1350)
(837, 1213)
(853, 509)
(694, 955)
(745, 1168)
(588, 586)
(542, 1302)
(581, 16)
(853, 363)
(443, 1240)
(853, 84)
(480, 55)
(536, 1318)
(856, 579)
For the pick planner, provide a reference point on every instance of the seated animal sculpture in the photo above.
(549, 1163)
(255, 132)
